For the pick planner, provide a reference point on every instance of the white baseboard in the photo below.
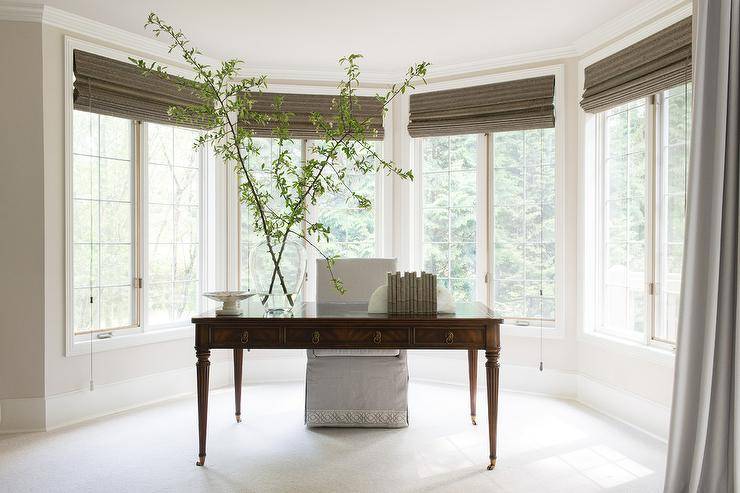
(81, 405)
(643, 414)
(22, 415)
(434, 369)
(37, 414)
(259, 367)
(636, 411)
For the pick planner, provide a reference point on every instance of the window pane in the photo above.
(173, 219)
(352, 229)
(624, 298)
(524, 224)
(448, 212)
(102, 222)
(674, 140)
(248, 236)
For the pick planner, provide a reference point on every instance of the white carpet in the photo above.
(545, 445)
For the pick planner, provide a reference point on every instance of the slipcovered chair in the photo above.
(355, 388)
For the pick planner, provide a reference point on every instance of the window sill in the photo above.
(122, 341)
(654, 354)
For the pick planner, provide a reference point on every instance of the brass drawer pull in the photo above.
(245, 337)
(450, 337)
(316, 337)
(378, 337)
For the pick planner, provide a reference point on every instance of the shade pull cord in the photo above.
(542, 225)
(92, 187)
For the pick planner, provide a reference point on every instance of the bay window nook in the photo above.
(237, 236)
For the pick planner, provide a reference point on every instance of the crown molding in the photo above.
(308, 75)
(657, 24)
(626, 22)
(597, 38)
(507, 61)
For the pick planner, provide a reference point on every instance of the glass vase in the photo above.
(277, 277)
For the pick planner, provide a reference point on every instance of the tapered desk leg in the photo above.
(238, 361)
(492, 369)
(202, 369)
(473, 375)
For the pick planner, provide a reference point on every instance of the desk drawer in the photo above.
(365, 336)
(252, 337)
(448, 337)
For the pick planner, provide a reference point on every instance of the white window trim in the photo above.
(586, 298)
(562, 258)
(76, 345)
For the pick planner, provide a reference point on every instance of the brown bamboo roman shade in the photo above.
(656, 63)
(302, 105)
(500, 107)
(112, 87)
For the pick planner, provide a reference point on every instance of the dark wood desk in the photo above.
(345, 326)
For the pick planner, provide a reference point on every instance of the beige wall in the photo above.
(21, 213)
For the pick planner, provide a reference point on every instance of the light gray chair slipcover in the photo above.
(355, 388)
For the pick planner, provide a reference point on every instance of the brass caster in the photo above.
(491, 465)
(238, 418)
(201, 460)
(472, 418)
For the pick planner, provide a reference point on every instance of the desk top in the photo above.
(350, 311)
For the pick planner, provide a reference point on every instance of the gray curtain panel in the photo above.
(301, 106)
(702, 449)
(115, 88)
(513, 105)
(658, 62)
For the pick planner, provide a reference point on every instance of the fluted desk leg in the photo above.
(492, 370)
(202, 367)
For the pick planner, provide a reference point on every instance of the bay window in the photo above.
(642, 149)
(135, 222)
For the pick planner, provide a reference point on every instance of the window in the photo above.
(449, 200)
(518, 207)
(249, 238)
(523, 221)
(135, 221)
(675, 132)
(352, 229)
(103, 231)
(644, 156)
(173, 217)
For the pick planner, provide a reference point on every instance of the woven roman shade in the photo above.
(500, 107)
(656, 63)
(302, 105)
(112, 87)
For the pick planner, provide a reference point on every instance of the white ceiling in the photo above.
(391, 34)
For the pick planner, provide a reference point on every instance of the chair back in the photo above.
(360, 277)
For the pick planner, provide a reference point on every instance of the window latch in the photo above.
(138, 282)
